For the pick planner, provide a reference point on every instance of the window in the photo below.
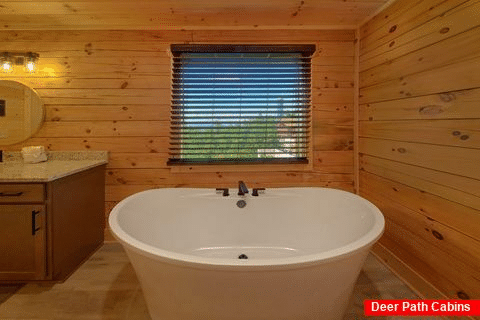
(240, 104)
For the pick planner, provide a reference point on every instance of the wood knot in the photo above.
(464, 137)
(456, 133)
(444, 30)
(430, 110)
(391, 44)
(401, 150)
(463, 295)
(88, 48)
(437, 235)
(392, 29)
(69, 7)
(447, 97)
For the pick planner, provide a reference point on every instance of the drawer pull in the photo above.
(11, 194)
(34, 223)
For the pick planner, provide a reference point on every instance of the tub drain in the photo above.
(242, 256)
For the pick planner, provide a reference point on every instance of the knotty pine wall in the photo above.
(110, 90)
(419, 140)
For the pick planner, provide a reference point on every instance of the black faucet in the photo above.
(255, 191)
(242, 188)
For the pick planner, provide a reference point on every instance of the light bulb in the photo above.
(30, 66)
(7, 66)
(30, 60)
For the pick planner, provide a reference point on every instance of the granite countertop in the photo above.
(59, 164)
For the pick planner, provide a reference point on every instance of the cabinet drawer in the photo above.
(34, 192)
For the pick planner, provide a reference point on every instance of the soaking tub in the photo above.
(289, 253)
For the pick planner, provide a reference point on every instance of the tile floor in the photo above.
(106, 288)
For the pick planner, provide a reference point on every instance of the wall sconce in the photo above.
(11, 59)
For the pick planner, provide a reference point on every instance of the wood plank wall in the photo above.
(110, 90)
(188, 14)
(419, 140)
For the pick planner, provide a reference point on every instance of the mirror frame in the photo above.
(32, 113)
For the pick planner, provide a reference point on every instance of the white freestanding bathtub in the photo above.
(290, 253)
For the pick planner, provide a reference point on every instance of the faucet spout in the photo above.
(242, 188)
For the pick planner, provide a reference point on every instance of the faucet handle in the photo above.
(255, 191)
(224, 190)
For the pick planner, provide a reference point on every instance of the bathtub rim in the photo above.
(364, 242)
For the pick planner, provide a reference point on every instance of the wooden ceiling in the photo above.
(184, 14)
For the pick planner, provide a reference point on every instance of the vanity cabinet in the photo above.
(22, 245)
(47, 229)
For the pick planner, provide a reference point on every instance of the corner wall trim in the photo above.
(356, 89)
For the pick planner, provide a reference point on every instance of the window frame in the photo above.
(307, 50)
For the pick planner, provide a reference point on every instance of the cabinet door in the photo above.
(22, 242)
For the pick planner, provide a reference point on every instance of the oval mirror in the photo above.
(21, 112)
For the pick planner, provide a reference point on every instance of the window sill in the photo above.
(241, 168)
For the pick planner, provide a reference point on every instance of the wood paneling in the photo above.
(110, 90)
(459, 133)
(465, 72)
(419, 140)
(462, 190)
(444, 105)
(422, 24)
(120, 191)
(416, 282)
(421, 60)
(434, 233)
(183, 14)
